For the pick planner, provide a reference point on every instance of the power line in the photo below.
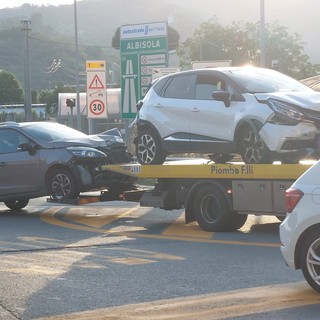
(83, 45)
(70, 44)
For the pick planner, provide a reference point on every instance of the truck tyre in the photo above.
(16, 204)
(238, 220)
(281, 218)
(212, 211)
(309, 259)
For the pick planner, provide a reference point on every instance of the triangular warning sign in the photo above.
(96, 83)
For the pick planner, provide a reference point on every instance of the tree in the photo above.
(10, 89)
(173, 39)
(50, 98)
(240, 43)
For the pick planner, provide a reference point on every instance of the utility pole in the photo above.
(200, 49)
(262, 36)
(27, 88)
(77, 66)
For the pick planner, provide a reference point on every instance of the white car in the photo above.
(261, 114)
(300, 231)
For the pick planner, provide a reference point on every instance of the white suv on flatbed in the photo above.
(261, 114)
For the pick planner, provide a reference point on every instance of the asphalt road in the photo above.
(115, 260)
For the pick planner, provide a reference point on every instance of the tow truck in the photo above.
(218, 196)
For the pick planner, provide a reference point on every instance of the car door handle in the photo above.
(195, 109)
(159, 105)
(2, 164)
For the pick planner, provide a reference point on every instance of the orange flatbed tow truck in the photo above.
(218, 196)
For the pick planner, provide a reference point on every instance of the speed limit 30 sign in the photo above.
(97, 107)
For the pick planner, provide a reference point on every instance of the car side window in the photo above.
(180, 87)
(206, 85)
(10, 140)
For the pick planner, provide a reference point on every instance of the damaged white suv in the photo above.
(261, 114)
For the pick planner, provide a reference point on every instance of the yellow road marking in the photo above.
(38, 239)
(92, 217)
(33, 271)
(49, 217)
(148, 254)
(180, 229)
(64, 260)
(217, 306)
(131, 261)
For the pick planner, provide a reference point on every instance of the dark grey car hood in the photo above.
(90, 141)
(306, 99)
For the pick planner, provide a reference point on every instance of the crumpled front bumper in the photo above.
(284, 139)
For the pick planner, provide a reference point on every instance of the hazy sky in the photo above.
(299, 16)
(17, 3)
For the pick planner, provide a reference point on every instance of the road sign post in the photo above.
(96, 89)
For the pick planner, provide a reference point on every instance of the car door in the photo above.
(212, 122)
(171, 112)
(19, 171)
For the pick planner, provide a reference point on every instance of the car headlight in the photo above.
(112, 140)
(284, 113)
(86, 152)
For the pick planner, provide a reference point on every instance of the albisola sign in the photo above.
(138, 45)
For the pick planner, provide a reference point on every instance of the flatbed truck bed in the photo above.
(218, 196)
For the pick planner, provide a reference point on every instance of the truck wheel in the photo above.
(148, 148)
(211, 210)
(16, 204)
(281, 218)
(61, 183)
(238, 220)
(309, 259)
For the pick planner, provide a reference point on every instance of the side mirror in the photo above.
(139, 105)
(223, 96)
(27, 147)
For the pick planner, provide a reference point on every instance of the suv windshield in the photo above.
(47, 131)
(255, 80)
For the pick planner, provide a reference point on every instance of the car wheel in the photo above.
(310, 258)
(221, 157)
(252, 148)
(16, 204)
(212, 211)
(61, 183)
(148, 148)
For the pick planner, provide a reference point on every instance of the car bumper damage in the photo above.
(303, 139)
(91, 176)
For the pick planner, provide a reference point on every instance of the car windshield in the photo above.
(258, 80)
(47, 131)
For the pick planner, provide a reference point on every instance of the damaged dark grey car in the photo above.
(47, 158)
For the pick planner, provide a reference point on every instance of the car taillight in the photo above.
(293, 196)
